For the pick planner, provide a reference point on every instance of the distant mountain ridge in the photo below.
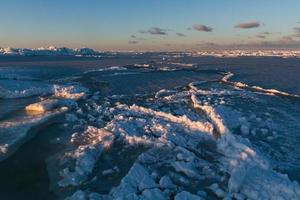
(48, 51)
(65, 51)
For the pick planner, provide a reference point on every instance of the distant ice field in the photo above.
(149, 126)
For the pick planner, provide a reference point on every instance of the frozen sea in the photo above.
(149, 126)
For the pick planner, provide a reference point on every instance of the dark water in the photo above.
(24, 174)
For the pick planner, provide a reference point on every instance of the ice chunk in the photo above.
(86, 157)
(258, 183)
(166, 183)
(42, 106)
(186, 168)
(69, 92)
(245, 129)
(108, 172)
(184, 195)
(155, 193)
(147, 183)
(131, 182)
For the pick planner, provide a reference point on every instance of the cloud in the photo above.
(297, 29)
(297, 32)
(293, 36)
(259, 45)
(155, 31)
(248, 25)
(133, 42)
(261, 36)
(136, 38)
(180, 34)
(200, 27)
(286, 39)
(210, 44)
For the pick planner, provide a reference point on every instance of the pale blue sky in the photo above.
(109, 24)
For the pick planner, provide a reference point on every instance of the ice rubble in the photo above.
(180, 152)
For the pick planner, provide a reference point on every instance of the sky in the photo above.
(151, 24)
